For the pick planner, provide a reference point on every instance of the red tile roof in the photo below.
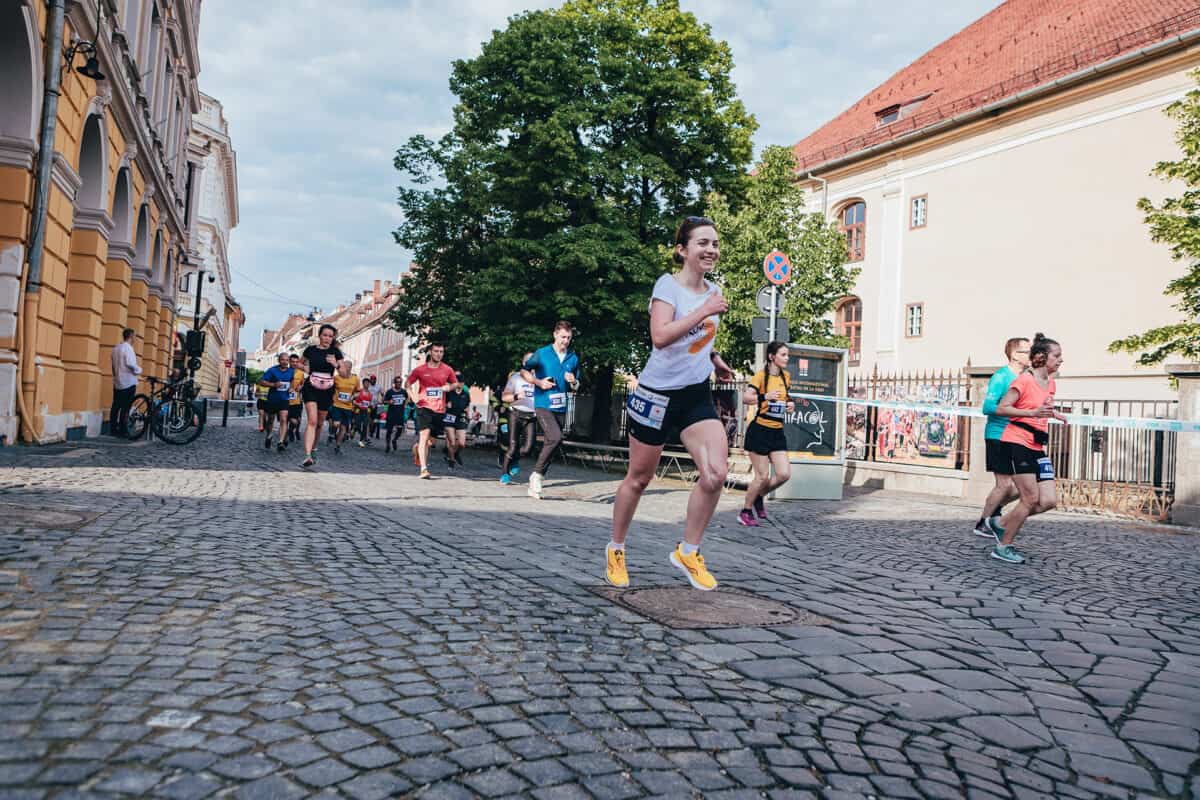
(1018, 46)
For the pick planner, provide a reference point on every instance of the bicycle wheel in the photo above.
(139, 416)
(177, 422)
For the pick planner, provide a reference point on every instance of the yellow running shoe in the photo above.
(693, 567)
(616, 574)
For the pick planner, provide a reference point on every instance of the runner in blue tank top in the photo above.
(1017, 351)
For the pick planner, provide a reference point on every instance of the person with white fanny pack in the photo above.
(673, 394)
(551, 370)
(320, 360)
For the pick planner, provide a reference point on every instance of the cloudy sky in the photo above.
(319, 95)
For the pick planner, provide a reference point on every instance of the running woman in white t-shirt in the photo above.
(673, 393)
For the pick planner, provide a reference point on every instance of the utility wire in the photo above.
(272, 291)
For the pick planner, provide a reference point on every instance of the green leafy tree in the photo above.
(773, 217)
(1176, 222)
(580, 136)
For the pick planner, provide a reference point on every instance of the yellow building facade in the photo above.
(115, 221)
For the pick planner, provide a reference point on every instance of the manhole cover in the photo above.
(684, 607)
(15, 516)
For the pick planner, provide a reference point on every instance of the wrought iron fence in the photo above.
(942, 441)
(1126, 472)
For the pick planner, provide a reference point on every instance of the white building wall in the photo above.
(1032, 226)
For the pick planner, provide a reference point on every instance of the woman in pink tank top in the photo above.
(1029, 406)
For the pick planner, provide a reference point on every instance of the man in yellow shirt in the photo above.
(295, 402)
(345, 384)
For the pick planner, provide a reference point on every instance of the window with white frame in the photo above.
(920, 212)
(914, 320)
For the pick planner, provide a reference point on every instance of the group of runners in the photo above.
(671, 397)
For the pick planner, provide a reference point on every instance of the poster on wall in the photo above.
(918, 437)
(812, 429)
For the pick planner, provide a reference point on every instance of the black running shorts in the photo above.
(763, 441)
(322, 397)
(999, 460)
(684, 408)
(430, 421)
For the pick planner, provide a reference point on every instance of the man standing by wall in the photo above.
(125, 370)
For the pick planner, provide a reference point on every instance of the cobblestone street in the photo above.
(191, 621)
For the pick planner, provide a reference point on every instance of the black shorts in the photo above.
(262, 404)
(430, 421)
(273, 407)
(295, 411)
(685, 407)
(763, 441)
(395, 420)
(1023, 461)
(322, 397)
(999, 461)
(341, 416)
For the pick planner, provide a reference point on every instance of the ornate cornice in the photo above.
(17, 152)
(91, 219)
(64, 176)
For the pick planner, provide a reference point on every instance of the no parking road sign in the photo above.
(777, 267)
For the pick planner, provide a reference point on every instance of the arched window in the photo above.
(849, 324)
(854, 225)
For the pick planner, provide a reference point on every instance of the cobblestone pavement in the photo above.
(210, 620)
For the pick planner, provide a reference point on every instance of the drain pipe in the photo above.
(824, 193)
(32, 277)
(41, 190)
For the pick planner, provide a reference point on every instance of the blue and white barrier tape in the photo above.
(1128, 423)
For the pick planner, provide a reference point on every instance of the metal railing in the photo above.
(909, 437)
(1126, 472)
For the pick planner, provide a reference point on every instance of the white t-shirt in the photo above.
(688, 359)
(522, 392)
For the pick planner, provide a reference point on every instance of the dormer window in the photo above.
(899, 111)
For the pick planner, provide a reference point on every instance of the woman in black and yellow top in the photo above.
(765, 442)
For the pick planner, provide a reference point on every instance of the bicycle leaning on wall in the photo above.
(170, 411)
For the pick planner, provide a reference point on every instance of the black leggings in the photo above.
(521, 424)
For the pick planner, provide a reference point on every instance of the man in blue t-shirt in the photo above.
(551, 370)
(1017, 351)
(278, 380)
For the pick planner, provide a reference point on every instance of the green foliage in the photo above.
(1176, 222)
(580, 136)
(774, 218)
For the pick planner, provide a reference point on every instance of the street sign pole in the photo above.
(774, 309)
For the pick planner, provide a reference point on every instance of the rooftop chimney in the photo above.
(377, 295)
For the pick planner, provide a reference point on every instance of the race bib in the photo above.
(293, 395)
(397, 400)
(776, 408)
(527, 392)
(448, 419)
(647, 408)
(1045, 469)
(433, 394)
(558, 400)
(344, 396)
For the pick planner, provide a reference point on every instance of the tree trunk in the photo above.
(602, 407)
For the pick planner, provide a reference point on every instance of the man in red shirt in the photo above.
(427, 387)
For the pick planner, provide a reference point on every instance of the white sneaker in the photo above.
(535, 485)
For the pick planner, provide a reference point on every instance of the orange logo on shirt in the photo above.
(710, 330)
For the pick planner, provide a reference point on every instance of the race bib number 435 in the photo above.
(647, 408)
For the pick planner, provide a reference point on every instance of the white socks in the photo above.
(614, 546)
(689, 549)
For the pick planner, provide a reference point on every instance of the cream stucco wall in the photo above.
(1032, 226)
